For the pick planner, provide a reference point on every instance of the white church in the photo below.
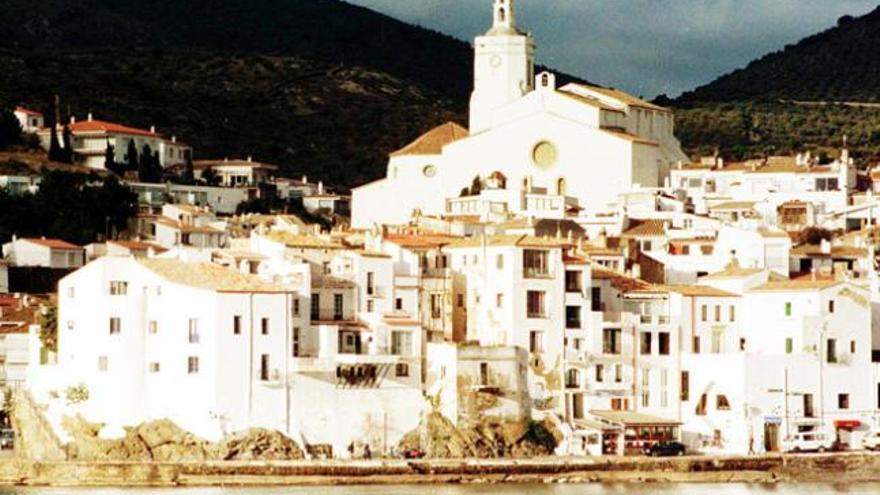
(535, 149)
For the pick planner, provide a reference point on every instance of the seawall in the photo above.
(754, 469)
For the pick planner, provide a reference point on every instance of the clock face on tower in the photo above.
(495, 61)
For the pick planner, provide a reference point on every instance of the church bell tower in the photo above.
(503, 66)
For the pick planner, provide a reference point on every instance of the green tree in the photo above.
(210, 177)
(145, 166)
(49, 325)
(10, 129)
(188, 175)
(131, 156)
(56, 154)
(476, 186)
(67, 140)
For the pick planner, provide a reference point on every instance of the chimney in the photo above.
(152, 129)
(304, 179)
(250, 158)
(72, 119)
(173, 139)
(90, 116)
(602, 239)
(825, 246)
(320, 187)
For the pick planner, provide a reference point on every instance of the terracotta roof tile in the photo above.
(208, 276)
(433, 141)
(51, 243)
(643, 228)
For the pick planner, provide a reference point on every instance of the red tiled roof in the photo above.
(27, 111)
(52, 243)
(108, 127)
(433, 141)
(420, 241)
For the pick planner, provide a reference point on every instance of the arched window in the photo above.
(502, 15)
(545, 80)
(560, 187)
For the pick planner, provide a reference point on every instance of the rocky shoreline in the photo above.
(855, 467)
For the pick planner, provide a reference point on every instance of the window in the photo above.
(789, 345)
(337, 307)
(115, 326)
(316, 307)
(573, 317)
(398, 304)
(499, 262)
(572, 378)
(102, 363)
(192, 365)
(831, 351)
(371, 279)
(732, 314)
(535, 264)
(484, 374)
(611, 340)
(573, 281)
(831, 306)
(264, 367)
(370, 306)
(717, 313)
(193, 331)
(401, 343)
(685, 386)
(788, 309)
(296, 307)
(716, 341)
(600, 373)
(596, 298)
(809, 412)
(536, 341)
(663, 343)
(154, 367)
(236, 325)
(843, 401)
(535, 304)
(499, 301)
(264, 326)
(618, 373)
(742, 344)
(118, 288)
(401, 370)
(701, 406)
(721, 403)
(294, 343)
(704, 313)
(645, 347)
(646, 388)
(459, 300)
(852, 346)
(70, 324)
(695, 344)
(435, 306)
(153, 327)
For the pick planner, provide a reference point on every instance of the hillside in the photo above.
(319, 87)
(807, 95)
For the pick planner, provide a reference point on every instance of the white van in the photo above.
(809, 441)
(872, 440)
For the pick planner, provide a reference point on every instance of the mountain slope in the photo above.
(807, 96)
(839, 64)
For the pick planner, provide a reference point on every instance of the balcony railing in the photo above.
(332, 315)
(536, 272)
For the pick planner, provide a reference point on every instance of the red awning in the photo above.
(847, 423)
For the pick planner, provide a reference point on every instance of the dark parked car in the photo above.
(665, 449)
(7, 439)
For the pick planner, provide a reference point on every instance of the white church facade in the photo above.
(536, 149)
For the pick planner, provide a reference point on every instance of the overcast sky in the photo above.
(646, 47)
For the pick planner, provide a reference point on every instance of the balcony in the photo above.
(331, 315)
(441, 273)
(537, 272)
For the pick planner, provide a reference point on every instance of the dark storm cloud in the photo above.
(644, 46)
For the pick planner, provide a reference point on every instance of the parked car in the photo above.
(665, 449)
(809, 441)
(7, 439)
(413, 454)
(872, 440)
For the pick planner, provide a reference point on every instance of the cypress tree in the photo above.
(54, 145)
(188, 170)
(110, 159)
(145, 167)
(67, 139)
(131, 156)
(157, 167)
